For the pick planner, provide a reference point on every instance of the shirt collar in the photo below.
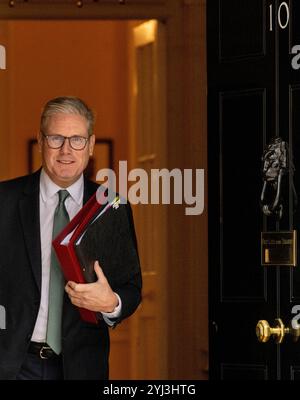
(48, 188)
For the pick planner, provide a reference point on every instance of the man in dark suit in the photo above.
(28, 208)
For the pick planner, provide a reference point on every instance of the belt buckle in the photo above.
(41, 352)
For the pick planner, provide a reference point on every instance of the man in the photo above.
(30, 206)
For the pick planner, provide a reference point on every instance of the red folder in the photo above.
(66, 253)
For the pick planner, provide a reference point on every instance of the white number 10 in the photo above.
(281, 23)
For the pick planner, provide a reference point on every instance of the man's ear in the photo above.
(91, 145)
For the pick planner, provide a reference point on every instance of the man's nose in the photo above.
(66, 148)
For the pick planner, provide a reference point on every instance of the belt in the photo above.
(42, 350)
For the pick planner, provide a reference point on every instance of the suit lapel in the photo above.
(29, 207)
(89, 189)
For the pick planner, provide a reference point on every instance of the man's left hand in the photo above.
(97, 296)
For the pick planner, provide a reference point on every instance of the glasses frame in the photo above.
(68, 138)
(103, 156)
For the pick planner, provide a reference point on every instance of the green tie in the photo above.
(57, 283)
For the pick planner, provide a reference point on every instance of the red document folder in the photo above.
(66, 252)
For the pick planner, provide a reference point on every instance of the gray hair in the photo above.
(67, 105)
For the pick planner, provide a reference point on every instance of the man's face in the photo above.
(65, 165)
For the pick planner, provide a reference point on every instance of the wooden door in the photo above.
(149, 328)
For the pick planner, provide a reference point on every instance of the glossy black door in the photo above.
(253, 95)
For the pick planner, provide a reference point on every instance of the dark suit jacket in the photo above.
(85, 346)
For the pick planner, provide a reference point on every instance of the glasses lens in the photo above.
(55, 141)
(77, 142)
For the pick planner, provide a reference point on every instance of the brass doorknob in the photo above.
(264, 331)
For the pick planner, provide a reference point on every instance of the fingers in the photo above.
(99, 272)
(75, 294)
(97, 296)
(82, 300)
(77, 301)
(72, 287)
(72, 293)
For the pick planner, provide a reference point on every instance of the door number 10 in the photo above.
(283, 15)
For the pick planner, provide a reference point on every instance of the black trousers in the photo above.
(36, 368)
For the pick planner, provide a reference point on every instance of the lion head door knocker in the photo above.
(276, 163)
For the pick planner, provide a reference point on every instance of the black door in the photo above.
(253, 96)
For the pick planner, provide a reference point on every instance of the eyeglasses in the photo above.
(57, 141)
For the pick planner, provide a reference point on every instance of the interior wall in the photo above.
(52, 58)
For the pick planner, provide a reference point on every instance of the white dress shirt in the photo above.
(48, 203)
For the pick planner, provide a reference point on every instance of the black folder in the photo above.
(109, 238)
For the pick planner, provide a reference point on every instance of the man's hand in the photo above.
(97, 296)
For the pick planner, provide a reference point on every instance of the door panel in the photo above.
(241, 107)
(240, 35)
(241, 144)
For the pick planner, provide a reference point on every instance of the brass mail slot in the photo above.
(279, 248)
